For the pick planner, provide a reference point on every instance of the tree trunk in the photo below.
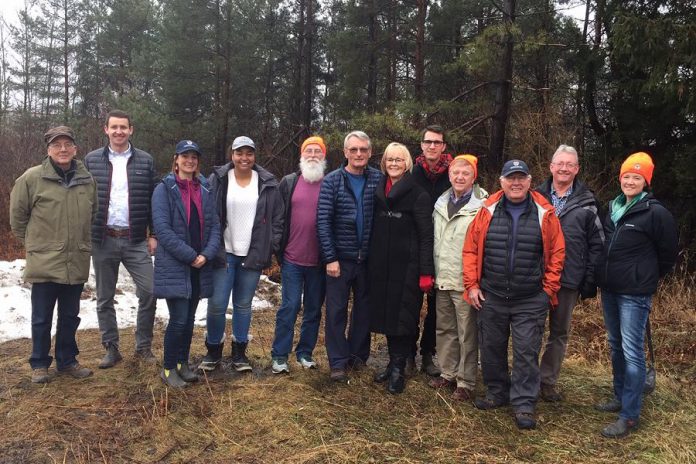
(372, 58)
(308, 55)
(503, 93)
(420, 46)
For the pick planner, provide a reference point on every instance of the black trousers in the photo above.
(524, 319)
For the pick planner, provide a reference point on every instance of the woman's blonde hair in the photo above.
(396, 149)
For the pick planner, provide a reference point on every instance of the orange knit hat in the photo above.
(639, 163)
(471, 159)
(314, 139)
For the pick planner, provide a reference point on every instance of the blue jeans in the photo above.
(296, 278)
(625, 317)
(241, 283)
(43, 300)
(182, 313)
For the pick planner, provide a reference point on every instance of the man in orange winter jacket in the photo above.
(513, 258)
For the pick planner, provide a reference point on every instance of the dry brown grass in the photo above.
(125, 414)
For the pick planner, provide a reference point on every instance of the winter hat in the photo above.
(471, 159)
(60, 131)
(638, 163)
(314, 139)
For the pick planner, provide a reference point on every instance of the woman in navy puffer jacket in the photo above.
(188, 231)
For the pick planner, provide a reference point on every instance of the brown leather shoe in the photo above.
(462, 394)
(550, 394)
(40, 375)
(441, 382)
(76, 371)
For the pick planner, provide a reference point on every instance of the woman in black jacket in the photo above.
(250, 209)
(400, 260)
(640, 248)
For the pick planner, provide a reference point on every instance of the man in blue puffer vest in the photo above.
(344, 224)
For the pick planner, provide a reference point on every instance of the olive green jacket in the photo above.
(53, 220)
(449, 238)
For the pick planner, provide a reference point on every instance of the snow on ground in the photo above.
(15, 302)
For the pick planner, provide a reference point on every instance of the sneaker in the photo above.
(40, 375)
(280, 366)
(620, 428)
(306, 362)
(171, 379)
(76, 371)
(462, 394)
(339, 375)
(486, 403)
(111, 358)
(525, 420)
(240, 362)
(613, 405)
(550, 394)
(145, 355)
(441, 382)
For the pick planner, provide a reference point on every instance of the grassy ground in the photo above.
(125, 414)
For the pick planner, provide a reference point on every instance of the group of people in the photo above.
(492, 266)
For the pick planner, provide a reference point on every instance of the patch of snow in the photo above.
(15, 310)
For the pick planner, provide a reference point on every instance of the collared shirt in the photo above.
(560, 202)
(455, 204)
(118, 197)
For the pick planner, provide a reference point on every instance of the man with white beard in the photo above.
(301, 268)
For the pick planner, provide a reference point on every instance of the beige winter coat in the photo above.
(449, 238)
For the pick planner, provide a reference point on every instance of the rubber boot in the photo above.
(171, 379)
(240, 362)
(397, 379)
(186, 373)
(381, 377)
(214, 356)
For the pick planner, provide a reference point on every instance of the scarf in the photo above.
(438, 170)
(619, 207)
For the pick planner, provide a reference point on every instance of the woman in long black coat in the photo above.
(400, 260)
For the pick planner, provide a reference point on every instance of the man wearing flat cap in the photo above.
(513, 257)
(51, 210)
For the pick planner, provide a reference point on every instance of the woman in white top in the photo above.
(251, 215)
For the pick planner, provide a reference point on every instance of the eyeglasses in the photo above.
(568, 164)
(394, 160)
(61, 146)
(355, 150)
(436, 143)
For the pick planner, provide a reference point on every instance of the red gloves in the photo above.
(426, 283)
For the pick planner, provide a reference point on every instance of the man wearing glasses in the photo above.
(576, 208)
(344, 223)
(51, 208)
(430, 172)
(125, 179)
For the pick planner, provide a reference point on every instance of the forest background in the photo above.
(506, 78)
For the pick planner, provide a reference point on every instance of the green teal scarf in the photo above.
(619, 207)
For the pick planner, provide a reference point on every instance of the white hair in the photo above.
(566, 149)
(359, 134)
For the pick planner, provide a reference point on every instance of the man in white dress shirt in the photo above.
(122, 233)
